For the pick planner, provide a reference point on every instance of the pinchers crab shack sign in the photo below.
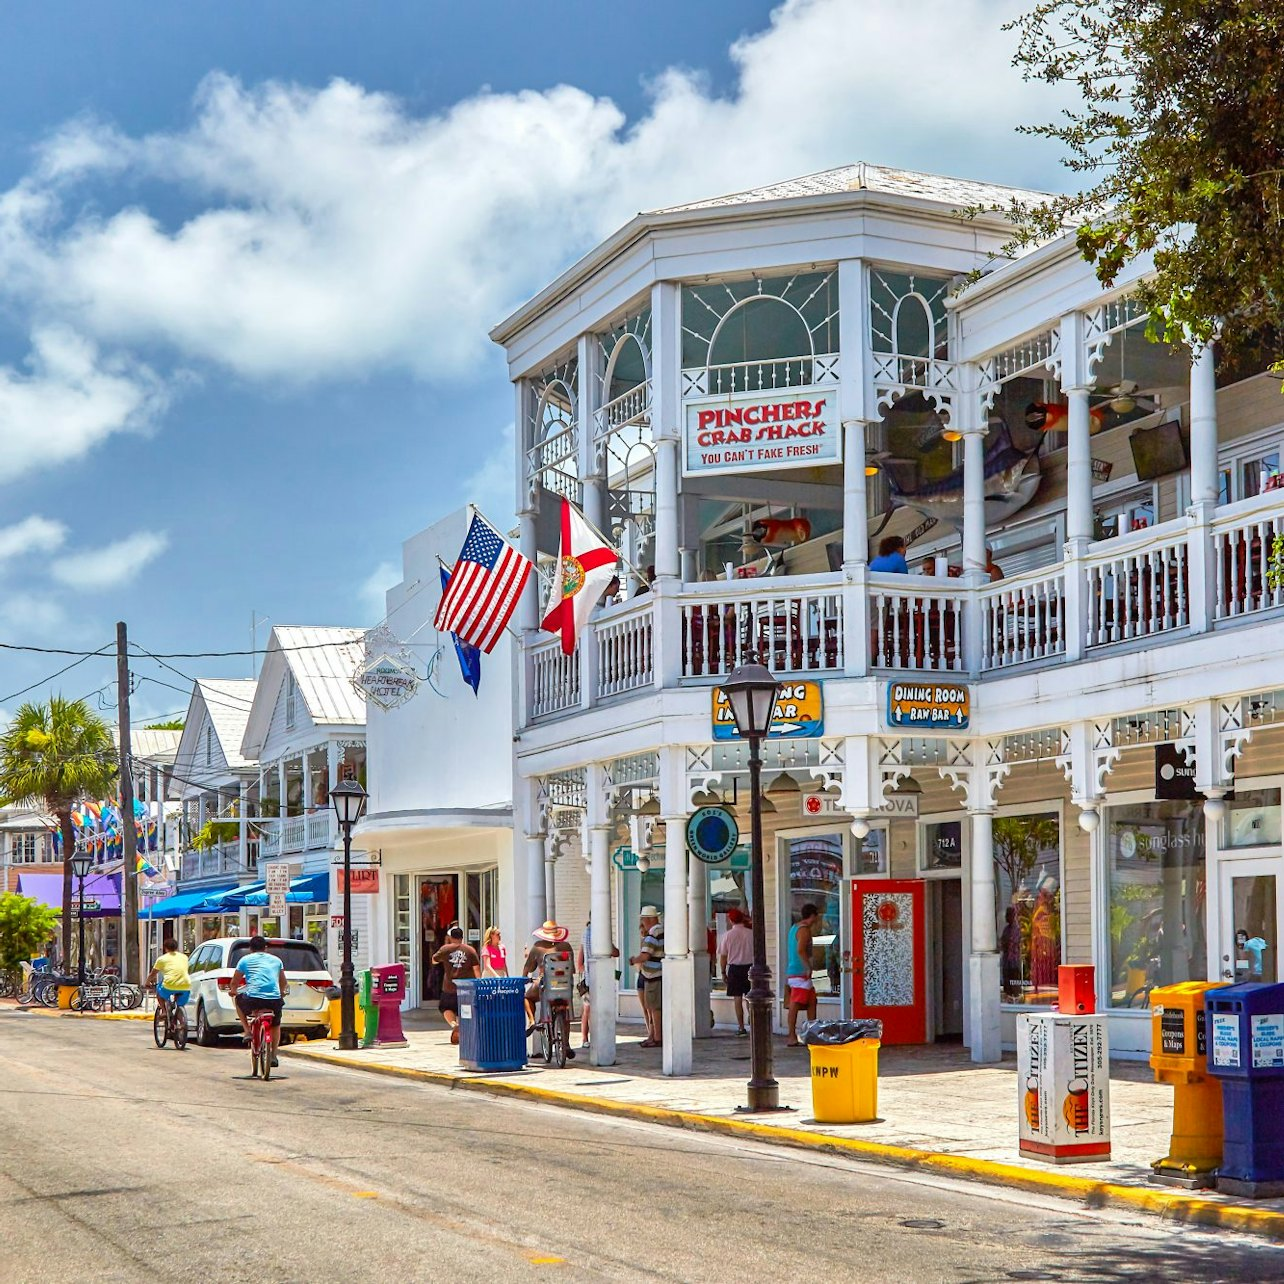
(752, 432)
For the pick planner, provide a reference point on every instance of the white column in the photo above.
(602, 975)
(589, 365)
(855, 499)
(1079, 524)
(666, 422)
(550, 875)
(1204, 485)
(974, 559)
(1076, 383)
(667, 564)
(698, 939)
(307, 780)
(242, 830)
(984, 1037)
(281, 787)
(678, 1023)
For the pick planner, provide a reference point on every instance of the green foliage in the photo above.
(25, 926)
(55, 754)
(1178, 142)
(213, 832)
(174, 724)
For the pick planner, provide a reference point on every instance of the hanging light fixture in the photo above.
(784, 783)
(705, 798)
(909, 785)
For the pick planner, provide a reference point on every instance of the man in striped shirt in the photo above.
(650, 962)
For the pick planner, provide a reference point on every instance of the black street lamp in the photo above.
(349, 802)
(81, 863)
(751, 693)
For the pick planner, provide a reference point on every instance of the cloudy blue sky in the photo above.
(249, 254)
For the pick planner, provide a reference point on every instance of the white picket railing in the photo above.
(1023, 619)
(625, 647)
(1244, 536)
(319, 831)
(760, 376)
(1138, 584)
(915, 624)
(629, 407)
(790, 630)
(555, 679)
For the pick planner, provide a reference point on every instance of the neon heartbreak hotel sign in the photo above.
(758, 431)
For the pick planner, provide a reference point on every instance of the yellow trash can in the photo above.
(336, 1019)
(844, 1081)
(64, 996)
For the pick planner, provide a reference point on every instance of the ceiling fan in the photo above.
(1122, 397)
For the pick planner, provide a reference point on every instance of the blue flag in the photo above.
(469, 656)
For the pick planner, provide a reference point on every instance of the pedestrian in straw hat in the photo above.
(549, 937)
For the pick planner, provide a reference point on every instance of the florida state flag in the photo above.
(585, 566)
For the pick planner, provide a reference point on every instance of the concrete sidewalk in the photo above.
(936, 1111)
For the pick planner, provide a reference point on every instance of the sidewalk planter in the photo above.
(1246, 1032)
(492, 1023)
(1179, 1056)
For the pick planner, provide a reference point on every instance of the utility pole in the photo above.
(128, 833)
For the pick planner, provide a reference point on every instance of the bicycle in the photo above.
(553, 1019)
(169, 1023)
(260, 1023)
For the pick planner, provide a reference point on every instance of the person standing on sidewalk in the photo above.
(802, 990)
(494, 956)
(457, 960)
(735, 955)
(650, 962)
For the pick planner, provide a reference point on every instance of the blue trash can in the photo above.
(1245, 1026)
(492, 1023)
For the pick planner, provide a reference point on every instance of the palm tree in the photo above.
(55, 754)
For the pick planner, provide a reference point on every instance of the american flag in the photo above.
(484, 588)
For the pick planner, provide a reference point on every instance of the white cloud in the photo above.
(112, 565)
(70, 399)
(339, 233)
(33, 616)
(374, 589)
(33, 534)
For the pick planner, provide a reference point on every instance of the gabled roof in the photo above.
(323, 660)
(963, 193)
(227, 703)
(153, 745)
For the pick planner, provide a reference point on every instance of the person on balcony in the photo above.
(891, 556)
(992, 568)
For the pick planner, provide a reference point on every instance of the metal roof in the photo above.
(323, 660)
(963, 193)
(160, 747)
(228, 702)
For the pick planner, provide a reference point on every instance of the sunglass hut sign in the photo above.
(751, 432)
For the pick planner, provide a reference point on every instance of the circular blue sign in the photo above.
(712, 834)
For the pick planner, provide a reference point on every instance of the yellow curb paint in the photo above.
(365, 1194)
(545, 1261)
(1169, 1204)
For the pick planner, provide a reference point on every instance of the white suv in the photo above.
(307, 1004)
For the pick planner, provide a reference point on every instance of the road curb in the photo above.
(87, 1016)
(1170, 1205)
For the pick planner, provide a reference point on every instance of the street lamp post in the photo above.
(349, 802)
(751, 693)
(81, 863)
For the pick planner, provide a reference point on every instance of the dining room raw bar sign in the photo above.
(761, 431)
(940, 705)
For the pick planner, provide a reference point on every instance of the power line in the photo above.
(13, 695)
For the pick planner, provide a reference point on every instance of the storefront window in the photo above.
(942, 846)
(816, 878)
(1252, 819)
(1027, 877)
(1155, 859)
(871, 853)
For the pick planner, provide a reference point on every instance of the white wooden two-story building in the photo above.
(1055, 739)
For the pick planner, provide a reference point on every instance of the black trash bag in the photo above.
(833, 1034)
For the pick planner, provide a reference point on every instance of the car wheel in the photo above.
(204, 1035)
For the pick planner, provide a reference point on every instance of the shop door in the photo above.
(438, 909)
(888, 956)
(1250, 891)
(946, 904)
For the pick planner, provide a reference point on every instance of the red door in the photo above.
(889, 956)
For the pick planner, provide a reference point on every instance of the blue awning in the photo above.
(311, 889)
(231, 899)
(182, 903)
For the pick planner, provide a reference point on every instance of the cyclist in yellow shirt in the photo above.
(169, 974)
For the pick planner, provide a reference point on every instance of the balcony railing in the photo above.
(790, 630)
(1138, 584)
(625, 649)
(915, 624)
(1244, 535)
(1169, 581)
(1024, 618)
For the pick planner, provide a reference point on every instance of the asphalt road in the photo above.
(122, 1162)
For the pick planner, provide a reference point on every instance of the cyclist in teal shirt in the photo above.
(258, 984)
